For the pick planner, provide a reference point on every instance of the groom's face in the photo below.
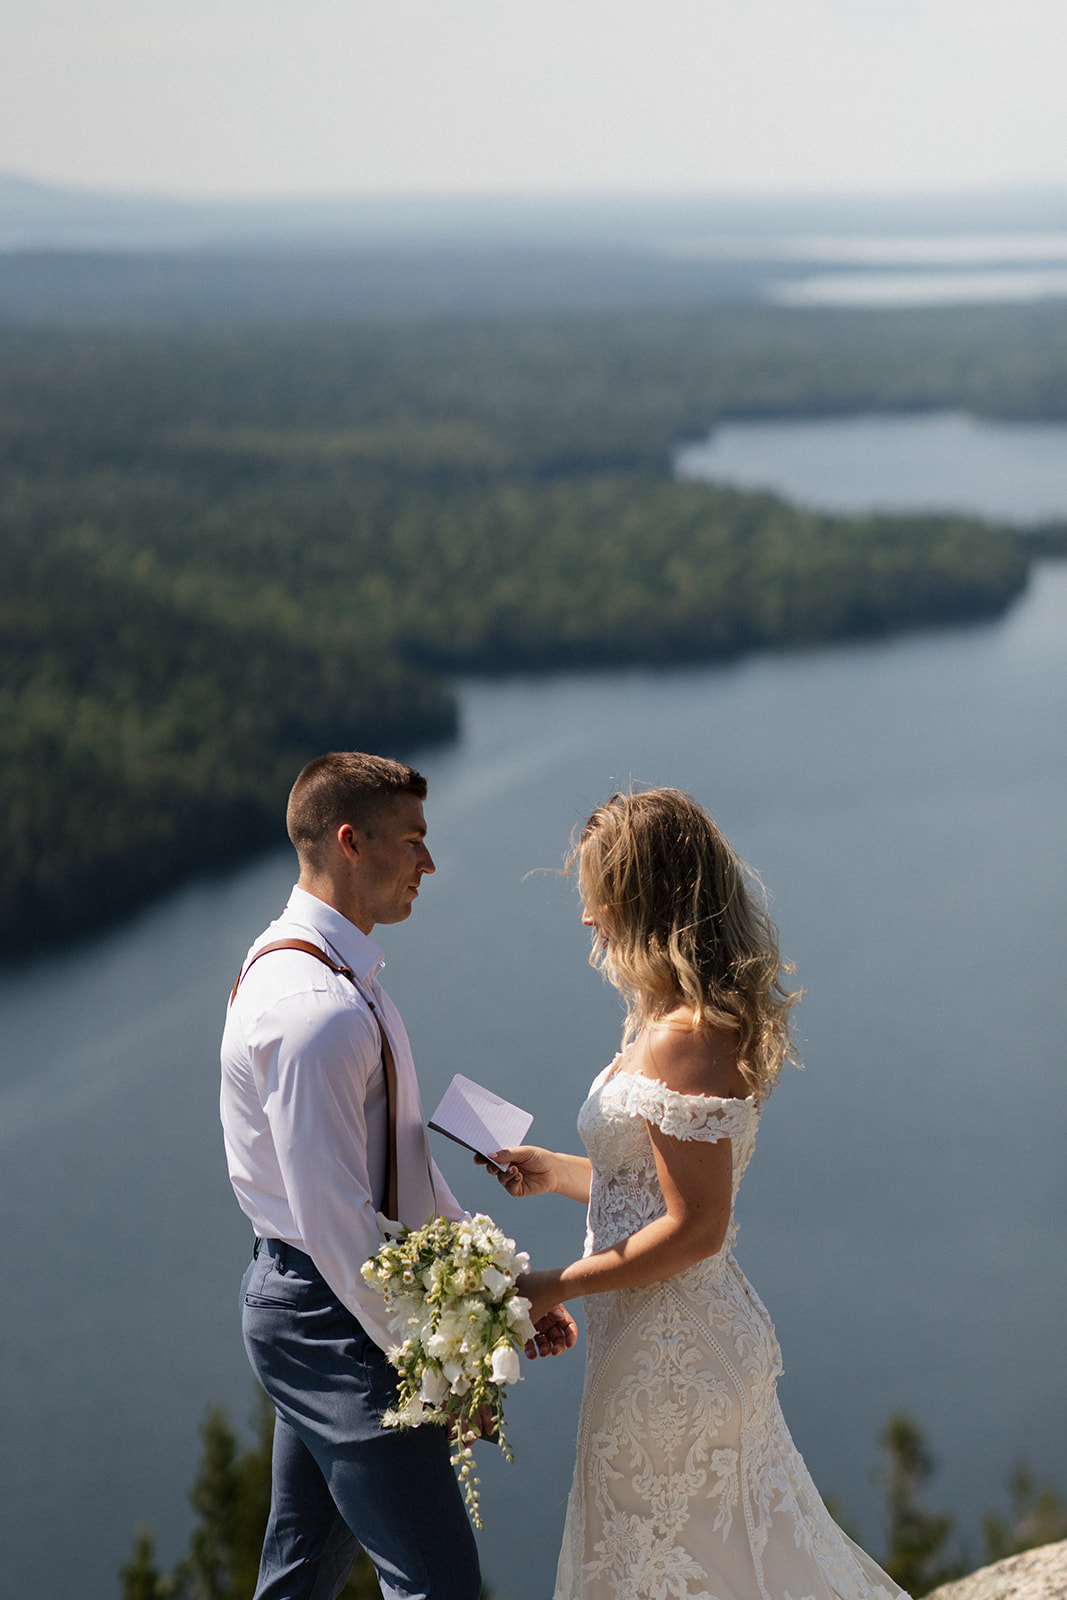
(392, 860)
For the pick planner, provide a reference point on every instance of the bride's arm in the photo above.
(528, 1170)
(696, 1179)
(695, 1176)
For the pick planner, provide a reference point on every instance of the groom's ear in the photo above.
(348, 841)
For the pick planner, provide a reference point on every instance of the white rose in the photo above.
(505, 1364)
(442, 1348)
(447, 1341)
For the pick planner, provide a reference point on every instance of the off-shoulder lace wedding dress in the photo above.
(687, 1483)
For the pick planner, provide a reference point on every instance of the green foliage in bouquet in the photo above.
(451, 1290)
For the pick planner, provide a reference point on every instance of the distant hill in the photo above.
(65, 288)
(70, 256)
(40, 216)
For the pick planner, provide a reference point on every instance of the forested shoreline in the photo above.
(227, 549)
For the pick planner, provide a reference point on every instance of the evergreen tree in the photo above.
(140, 1578)
(231, 1498)
(915, 1537)
(1037, 1517)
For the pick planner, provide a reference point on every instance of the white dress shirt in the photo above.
(303, 1105)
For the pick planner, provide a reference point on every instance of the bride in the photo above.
(687, 1482)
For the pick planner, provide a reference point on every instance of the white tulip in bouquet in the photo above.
(461, 1322)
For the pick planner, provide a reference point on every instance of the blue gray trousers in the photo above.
(339, 1479)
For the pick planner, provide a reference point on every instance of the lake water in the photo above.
(1015, 471)
(904, 1213)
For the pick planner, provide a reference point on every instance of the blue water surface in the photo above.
(903, 1215)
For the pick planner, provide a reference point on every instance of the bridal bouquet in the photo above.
(461, 1322)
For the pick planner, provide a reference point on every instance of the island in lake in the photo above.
(228, 548)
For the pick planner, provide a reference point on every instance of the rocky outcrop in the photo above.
(1034, 1575)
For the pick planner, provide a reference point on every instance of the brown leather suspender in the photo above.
(391, 1167)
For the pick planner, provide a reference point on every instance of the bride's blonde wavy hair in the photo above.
(681, 920)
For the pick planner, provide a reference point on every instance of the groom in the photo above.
(324, 1129)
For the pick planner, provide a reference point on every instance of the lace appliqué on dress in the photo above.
(688, 1486)
(684, 1116)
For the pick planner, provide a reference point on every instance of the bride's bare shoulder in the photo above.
(690, 1060)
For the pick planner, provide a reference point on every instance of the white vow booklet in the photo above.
(479, 1119)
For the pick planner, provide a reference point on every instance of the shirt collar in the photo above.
(351, 943)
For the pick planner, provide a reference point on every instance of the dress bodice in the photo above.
(625, 1193)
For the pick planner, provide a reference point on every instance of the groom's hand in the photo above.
(555, 1332)
(479, 1425)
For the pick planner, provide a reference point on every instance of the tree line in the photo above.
(231, 1499)
(229, 549)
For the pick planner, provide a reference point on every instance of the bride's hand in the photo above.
(526, 1170)
(542, 1291)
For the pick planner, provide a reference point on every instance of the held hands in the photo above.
(524, 1171)
(542, 1291)
(528, 1170)
(479, 1425)
(556, 1331)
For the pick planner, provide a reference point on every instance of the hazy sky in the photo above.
(423, 96)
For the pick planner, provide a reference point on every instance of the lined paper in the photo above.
(479, 1119)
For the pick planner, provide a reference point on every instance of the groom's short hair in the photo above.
(344, 786)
